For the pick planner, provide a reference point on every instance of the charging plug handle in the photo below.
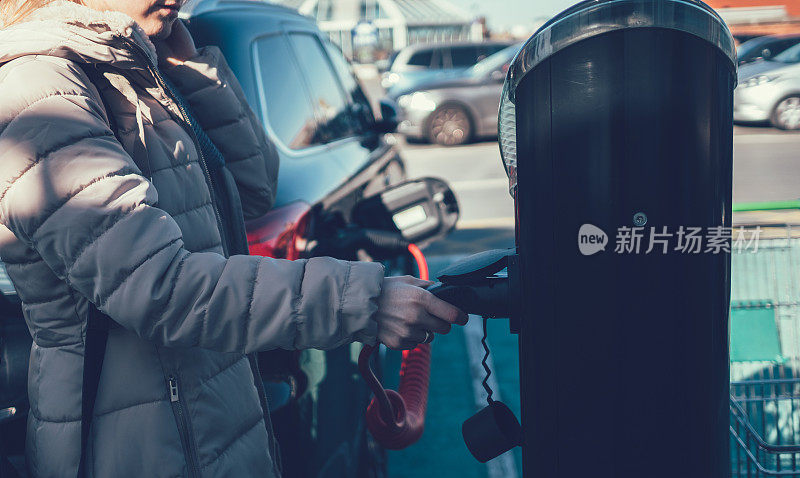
(488, 298)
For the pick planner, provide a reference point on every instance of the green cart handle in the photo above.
(766, 205)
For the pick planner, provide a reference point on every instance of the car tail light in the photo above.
(280, 232)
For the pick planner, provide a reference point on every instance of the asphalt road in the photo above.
(475, 173)
(766, 165)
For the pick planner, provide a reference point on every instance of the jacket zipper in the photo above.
(185, 116)
(189, 448)
(183, 428)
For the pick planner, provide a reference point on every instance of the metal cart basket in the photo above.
(765, 343)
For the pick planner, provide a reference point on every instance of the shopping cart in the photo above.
(765, 342)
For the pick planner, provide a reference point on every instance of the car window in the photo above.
(363, 111)
(748, 49)
(392, 59)
(792, 55)
(463, 56)
(421, 58)
(327, 97)
(783, 45)
(498, 61)
(285, 104)
(492, 49)
(342, 67)
(441, 59)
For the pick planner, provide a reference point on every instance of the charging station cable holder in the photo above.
(477, 285)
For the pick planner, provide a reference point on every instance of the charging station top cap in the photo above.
(594, 17)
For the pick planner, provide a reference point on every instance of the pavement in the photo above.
(765, 165)
(766, 168)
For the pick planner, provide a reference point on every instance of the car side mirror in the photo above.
(390, 117)
(421, 210)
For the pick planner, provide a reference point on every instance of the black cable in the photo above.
(485, 383)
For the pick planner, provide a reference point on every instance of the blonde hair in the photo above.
(16, 11)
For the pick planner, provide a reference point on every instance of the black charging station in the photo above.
(620, 155)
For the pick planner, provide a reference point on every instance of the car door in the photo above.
(307, 118)
(312, 125)
(366, 147)
(308, 170)
(336, 397)
(484, 98)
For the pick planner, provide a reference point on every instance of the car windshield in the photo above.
(494, 62)
(748, 47)
(791, 55)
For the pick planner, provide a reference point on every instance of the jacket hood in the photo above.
(68, 30)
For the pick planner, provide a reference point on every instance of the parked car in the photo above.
(430, 61)
(333, 153)
(764, 47)
(456, 108)
(15, 346)
(769, 90)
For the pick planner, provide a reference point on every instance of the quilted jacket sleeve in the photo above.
(219, 104)
(69, 190)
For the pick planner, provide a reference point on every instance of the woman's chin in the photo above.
(159, 29)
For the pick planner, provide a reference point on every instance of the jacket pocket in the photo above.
(182, 419)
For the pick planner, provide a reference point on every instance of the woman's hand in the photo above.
(177, 47)
(407, 312)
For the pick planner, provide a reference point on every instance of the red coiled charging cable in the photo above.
(397, 419)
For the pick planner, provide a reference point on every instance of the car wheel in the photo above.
(449, 125)
(786, 114)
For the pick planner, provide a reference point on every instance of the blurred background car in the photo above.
(430, 61)
(769, 90)
(764, 47)
(458, 107)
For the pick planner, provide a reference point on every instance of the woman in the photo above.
(106, 202)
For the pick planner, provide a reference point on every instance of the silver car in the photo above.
(456, 108)
(769, 90)
(428, 61)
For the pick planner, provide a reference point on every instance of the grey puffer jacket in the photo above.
(80, 222)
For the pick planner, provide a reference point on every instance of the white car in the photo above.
(769, 90)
